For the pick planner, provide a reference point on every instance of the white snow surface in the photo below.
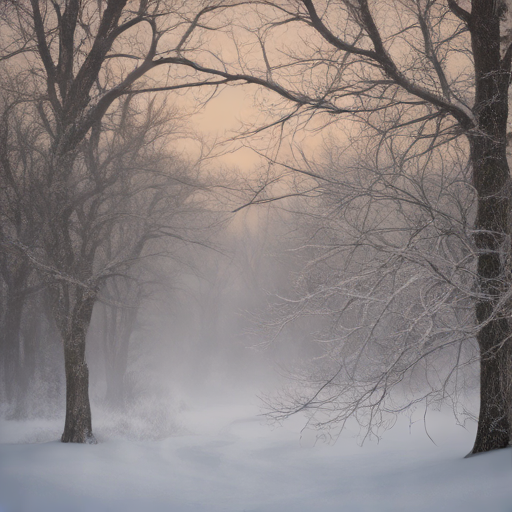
(227, 458)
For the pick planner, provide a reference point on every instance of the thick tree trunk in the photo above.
(491, 176)
(78, 426)
(491, 168)
(493, 421)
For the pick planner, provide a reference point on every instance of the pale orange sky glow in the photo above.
(221, 119)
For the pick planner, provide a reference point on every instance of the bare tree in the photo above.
(77, 60)
(124, 192)
(432, 70)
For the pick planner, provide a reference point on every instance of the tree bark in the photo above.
(493, 422)
(78, 425)
(495, 332)
(491, 176)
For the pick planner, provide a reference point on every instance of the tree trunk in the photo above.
(118, 328)
(31, 335)
(115, 375)
(78, 426)
(493, 421)
(11, 352)
(491, 176)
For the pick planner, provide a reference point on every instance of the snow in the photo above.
(227, 458)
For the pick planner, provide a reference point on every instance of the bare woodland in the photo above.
(394, 253)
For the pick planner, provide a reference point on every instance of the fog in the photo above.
(255, 255)
(182, 328)
(197, 337)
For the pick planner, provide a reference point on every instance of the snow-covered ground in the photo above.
(227, 459)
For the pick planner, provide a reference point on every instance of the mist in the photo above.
(255, 255)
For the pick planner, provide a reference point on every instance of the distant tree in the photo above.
(17, 220)
(388, 281)
(122, 298)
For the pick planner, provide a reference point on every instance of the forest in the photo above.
(245, 244)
